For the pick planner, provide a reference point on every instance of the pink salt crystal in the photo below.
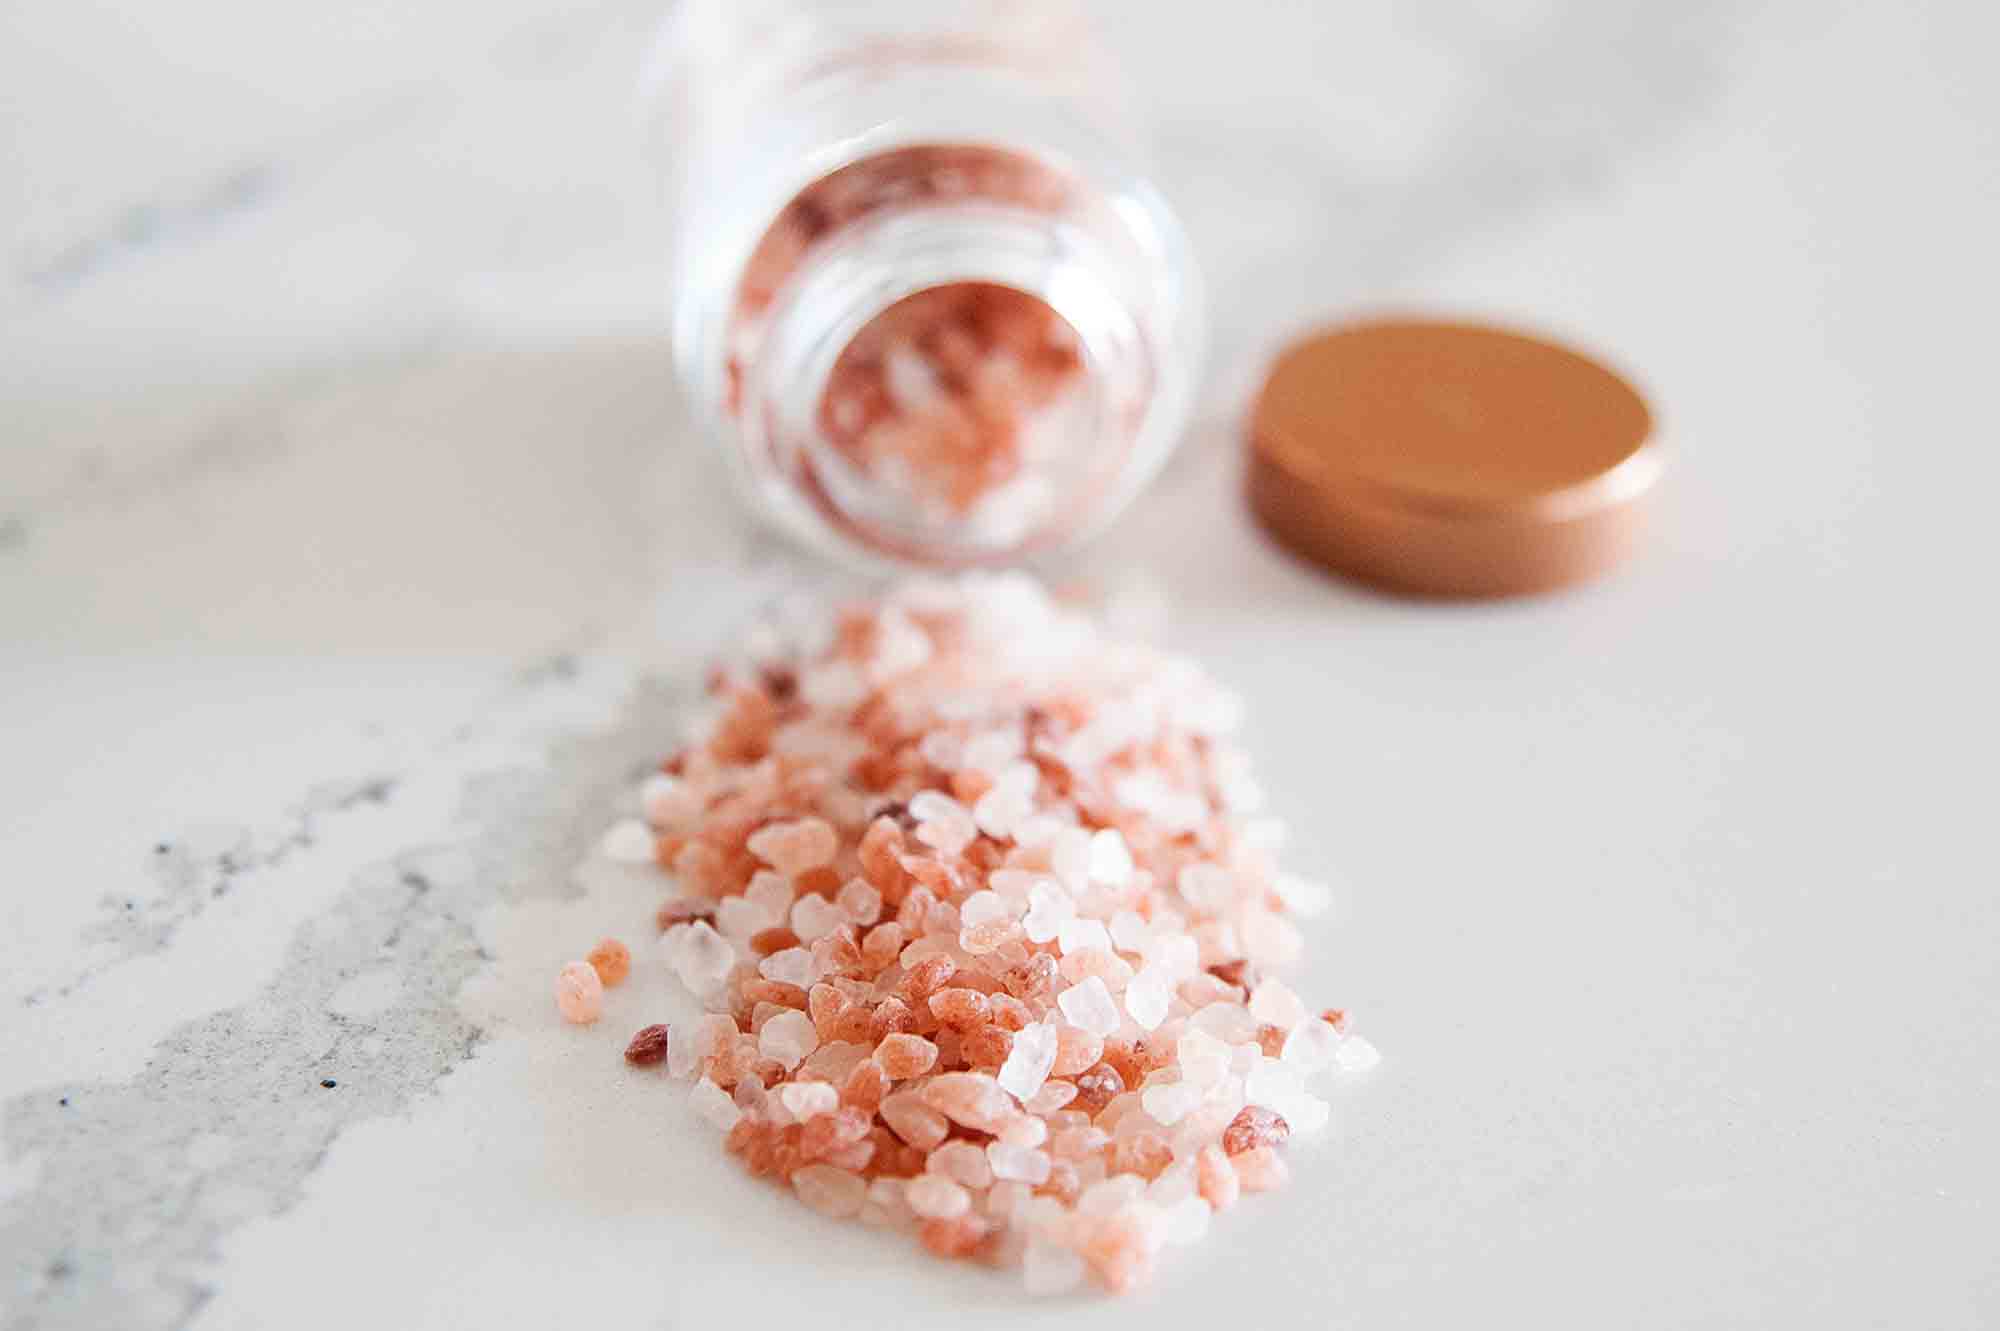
(1054, 1094)
(833, 1061)
(913, 1120)
(1027, 1130)
(935, 1197)
(1260, 1169)
(1009, 1012)
(1215, 1178)
(904, 1056)
(668, 803)
(713, 1034)
(981, 939)
(579, 993)
(961, 1009)
(792, 848)
(970, 1098)
(1118, 1253)
(830, 1191)
(1020, 1164)
(961, 1162)
(1114, 970)
(1076, 1143)
(860, 902)
(884, 1205)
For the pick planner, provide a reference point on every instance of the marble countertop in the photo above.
(353, 557)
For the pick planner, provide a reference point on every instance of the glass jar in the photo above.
(923, 294)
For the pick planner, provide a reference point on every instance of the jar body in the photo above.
(923, 295)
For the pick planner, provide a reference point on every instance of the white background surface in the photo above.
(345, 511)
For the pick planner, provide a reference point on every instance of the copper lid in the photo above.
(1449, 459)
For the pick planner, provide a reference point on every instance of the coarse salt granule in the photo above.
(989, 947)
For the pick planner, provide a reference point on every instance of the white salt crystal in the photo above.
(1170, 1102)
(1129, 931)
(807, 1099)
(814, 917)
(628, 841)
(1018, 1163)
(1271, 941)
(935, 1197)
(1271, 1083)
(943, 823)
(1204, 1059)
(682, 1056)
(1110, 858)
(1111, 1195)
(714, 1105)
(1310, 1046)
(991, 751)
(942, 749)
(1037, 831)
(703, 957)
(1049, 1268)
(791, 965)
(981, 908)
(1080, 935)
(1226, 1022)
(901, 644)
(833, 685)
(1354, 1054)
(1207, 887)
(1175, 953)
(1275, 1003)
(772, 891)
(1089, 1008)
(1302, 896)
(1049, 909)
(1148, 996)
(1029, 1060)
(1029, 1131)
(1069, 858)
(739, 917)
(788, 1038)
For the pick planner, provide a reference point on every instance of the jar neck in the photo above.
(1091, 451)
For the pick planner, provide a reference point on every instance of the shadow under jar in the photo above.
(923, 293)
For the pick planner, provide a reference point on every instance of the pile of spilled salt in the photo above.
(987, 932)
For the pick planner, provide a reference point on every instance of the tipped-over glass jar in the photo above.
(923, 293)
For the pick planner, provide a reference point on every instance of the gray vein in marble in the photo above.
(195, 872)
(138, 1182)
